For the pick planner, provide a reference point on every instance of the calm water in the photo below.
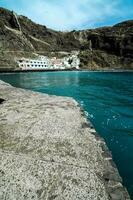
(107, 99)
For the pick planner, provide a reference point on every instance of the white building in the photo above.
(33, 64)
(45, 63)
(56, 63)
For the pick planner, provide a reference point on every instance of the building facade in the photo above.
(45, 63)
(33, 64)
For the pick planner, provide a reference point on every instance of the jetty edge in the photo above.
(49, 150)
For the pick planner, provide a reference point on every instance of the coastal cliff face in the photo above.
(101, 48)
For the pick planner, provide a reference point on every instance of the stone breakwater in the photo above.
(49, 150)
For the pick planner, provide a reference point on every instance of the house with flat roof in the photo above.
(33, 64)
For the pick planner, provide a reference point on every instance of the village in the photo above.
(49, 63)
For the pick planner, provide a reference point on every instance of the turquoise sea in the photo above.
(107, 99)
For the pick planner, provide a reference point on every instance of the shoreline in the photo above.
(64, 70)
(25, 102)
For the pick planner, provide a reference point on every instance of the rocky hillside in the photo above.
(101, 48)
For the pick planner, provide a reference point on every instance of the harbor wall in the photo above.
(49, 150)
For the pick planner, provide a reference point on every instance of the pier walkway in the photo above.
(48, 150)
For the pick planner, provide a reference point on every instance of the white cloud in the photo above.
(69, 14)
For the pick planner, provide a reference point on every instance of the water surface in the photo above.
(107, 99)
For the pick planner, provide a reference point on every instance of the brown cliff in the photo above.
(101, 48)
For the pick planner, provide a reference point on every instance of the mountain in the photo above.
(101, 48)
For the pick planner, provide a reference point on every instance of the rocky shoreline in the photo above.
(64, 70)
(49, 150)
(33, 70)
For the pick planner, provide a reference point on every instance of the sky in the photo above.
(69, 15)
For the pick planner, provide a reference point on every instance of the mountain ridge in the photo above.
(100, 48)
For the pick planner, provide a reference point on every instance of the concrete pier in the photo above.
(48, 150)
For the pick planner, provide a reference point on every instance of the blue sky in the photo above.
(72, 14)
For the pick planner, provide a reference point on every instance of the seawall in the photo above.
(49, 150)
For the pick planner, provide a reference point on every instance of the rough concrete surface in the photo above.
(48, 150)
